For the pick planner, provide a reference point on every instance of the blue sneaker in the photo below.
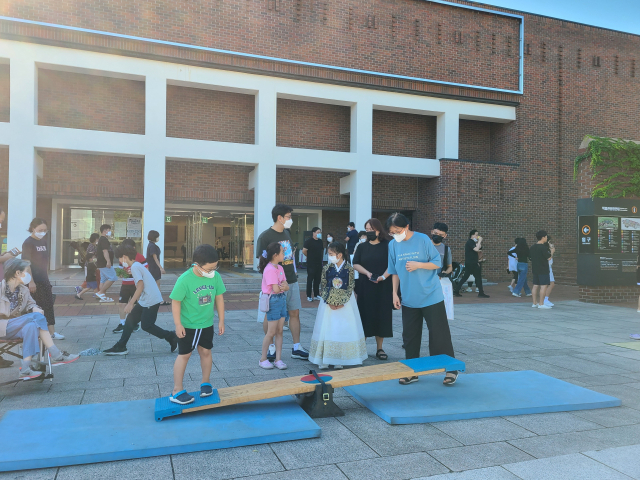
(301, 354)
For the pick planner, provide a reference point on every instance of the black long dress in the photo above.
(375, 300)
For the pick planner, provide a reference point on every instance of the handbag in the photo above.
(264, 302)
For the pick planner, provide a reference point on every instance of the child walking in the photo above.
(193, 298)
(338, 338)
(89, 275)
(275, 285)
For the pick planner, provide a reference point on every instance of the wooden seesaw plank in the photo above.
(339, 378)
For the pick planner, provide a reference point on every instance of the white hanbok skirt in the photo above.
(338, 337)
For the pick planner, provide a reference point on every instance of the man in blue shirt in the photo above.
(414, 263)
(351, 238)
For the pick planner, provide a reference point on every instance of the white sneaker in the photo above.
(529, 294)
(309, 299)
(285, 326)
(534, 305)
(516, 295)
(477, 290)
(469, 289)
(320, 298)
(544, 306)
(57, 336)
(547, 302)
(510, 288)
(322, 366)
(337, 367)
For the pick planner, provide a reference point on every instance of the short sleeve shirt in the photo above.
(540, 255)
(272, 276)
(315, 249)
(420, 288)
(37, 252)
(196, 295)
(353, 240)
(151, 294)
(470, 255)
(103, 244)
(447, 261)
(283, 238)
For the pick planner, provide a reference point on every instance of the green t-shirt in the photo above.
(197, 295)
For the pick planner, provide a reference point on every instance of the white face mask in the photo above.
(125, 264)
(108, 234)
(333, 259)
(362, 240)
(40, 234)
(210, 274)
(26, 279)
(319, 236)
(329, 239)
(399, 237)
(288, 223)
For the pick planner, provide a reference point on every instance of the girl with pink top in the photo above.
(275, 285)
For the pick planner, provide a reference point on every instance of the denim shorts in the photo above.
(108, 274)
(277, 307)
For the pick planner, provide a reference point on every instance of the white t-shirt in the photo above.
(151, 294)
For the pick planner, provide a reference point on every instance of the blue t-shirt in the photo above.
(353, 240)
(420, 288)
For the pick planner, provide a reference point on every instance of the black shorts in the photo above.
(126, 292)
(542, 279)
(202, 337)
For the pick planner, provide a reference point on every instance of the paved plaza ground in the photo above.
(569, 342)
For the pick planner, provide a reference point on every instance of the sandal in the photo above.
(450, 378)
(181, 398)
(381, 356)
(206, 390)
(408, 380)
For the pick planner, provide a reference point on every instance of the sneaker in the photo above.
(285, 326)
(323, 366)
(271, 353)
(337, 367)
(105, 300)
(547, 302)
(477, 290)
(267, 365)
(116, 350)
(118, 329)
(5, 363)
(64, 358)
(510, 288)
(309, 299)
(544, 306)
(78, 297)
(57, 336)
(534, 306)
(516, 295)
(300, 354)
(181, 398)
(28, 373)
(138, 328)
(635, 336)
(529, 294)
(483, 295)
(469, 289)
(173, 341)
(280, 365)
(78, 290)
(320, 298)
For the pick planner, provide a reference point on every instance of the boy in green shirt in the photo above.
(192, 307)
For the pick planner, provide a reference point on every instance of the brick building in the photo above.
(198, 116)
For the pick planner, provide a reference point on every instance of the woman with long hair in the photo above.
(375, 292)
(522, 252)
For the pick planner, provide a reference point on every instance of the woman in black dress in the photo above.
(375, 296)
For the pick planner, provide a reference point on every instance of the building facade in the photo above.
(195, 118)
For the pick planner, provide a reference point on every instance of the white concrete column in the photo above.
(359, 186)
(447, 135)
(154, 160)
(22, 158)
(266, 112)
(362, 128)
(262, 180)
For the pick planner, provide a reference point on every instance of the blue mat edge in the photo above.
(156, 452)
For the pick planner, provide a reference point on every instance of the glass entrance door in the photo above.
(194, 233)
(242, 241)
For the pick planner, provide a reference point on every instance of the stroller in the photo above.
(456, 274)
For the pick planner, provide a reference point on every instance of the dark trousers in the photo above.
(314, 274)
(148, 316)
(471, 269)
(439, 334)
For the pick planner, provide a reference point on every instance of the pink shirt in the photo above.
(272, 276)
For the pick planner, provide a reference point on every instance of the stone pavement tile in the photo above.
(74, 372)
(537, 366)
(628, 395)
(123, 368)
(40, 400)
(565, 467)
(627, 353)
(85, 321)
(580, 365)
(575, 442)
(613, 360)
(89, 385)
(599, 380)
(234, 360)
(121, 394)
(572, 340)
(164, 364)
(489, 473)
(504, 344)
(336, 445)
(226, 463)
(622, 459)
(398, 467)
(40, 474)
(347, 403)
(388, 439)
(237, 381)
(474, 366)
(610, 417)
(552, 423)
(149, 380)
(482, 430)
(325, 472)
(544, 343)
(478, 456)
(155, 468)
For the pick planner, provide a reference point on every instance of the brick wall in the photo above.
(318, 126)
(297, 187)
(619, 294)
(395, 193)
(91, 176)
(90, 102)
(203, 114)
(208, 182)
(4, 92)
(487, 141)
(335, 222)
(404, 134)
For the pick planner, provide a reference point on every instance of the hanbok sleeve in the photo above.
(324, 291)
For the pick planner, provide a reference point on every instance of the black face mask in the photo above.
(437, 238)
(372, 236)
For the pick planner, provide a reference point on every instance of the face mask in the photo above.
(362, 240)
(319, 236)
(288, 223)
(108, 234)
(329, 239)
(26, 279)
(333, 259)
(437, 238)
(40, 234)
(125, 264)
(372, 235)
(400, 236)
(210, 274)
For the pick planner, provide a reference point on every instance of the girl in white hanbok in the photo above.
(338, 338)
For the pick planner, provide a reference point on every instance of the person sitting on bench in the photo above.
(21, 318)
